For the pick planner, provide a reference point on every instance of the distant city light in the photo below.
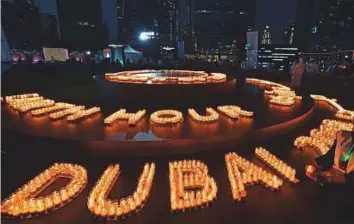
(168, 48)
(115, 45)
(146, 35)
(88, 52)
(314, 29)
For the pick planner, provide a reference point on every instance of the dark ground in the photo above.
(305, 202)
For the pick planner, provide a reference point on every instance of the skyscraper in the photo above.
(223, 21)
(333, 23)
(278, 14)
(110, 18)
(186, 26)
(266, 36)
(325, 24)
(166, 22)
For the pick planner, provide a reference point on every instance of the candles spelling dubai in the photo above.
(191, 186)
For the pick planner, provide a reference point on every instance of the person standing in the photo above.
(297, 72)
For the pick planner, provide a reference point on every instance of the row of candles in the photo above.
(341, 113)
(212, 115)
(322, 139)
(266, 84)
(40, 106)
(47, 110)
(99, 204)
(195, 77)
(83, 113)
(234, 112)
(276, 164)
(169, 80)
(122, 114)
(168, 72)
(242, 172)
(73, 112)
(190, 185)
(25, 202)
(166, 117)
(278, 93)
(25, 105)
(282, 96)
(63, 113)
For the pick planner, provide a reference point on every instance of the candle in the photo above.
(99, 204)
(190, 185)
(66, 112)
(242, 172)
(277, 164)
(24, 200)
(166, 117)
(212, 115)
(121, 114)
(83, 113)
(56, 107)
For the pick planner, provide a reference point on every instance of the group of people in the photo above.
(298, 69)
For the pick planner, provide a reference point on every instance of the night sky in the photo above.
(278, 14)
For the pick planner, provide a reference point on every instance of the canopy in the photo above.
(133, 55)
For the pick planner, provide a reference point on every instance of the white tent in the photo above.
(133, 55)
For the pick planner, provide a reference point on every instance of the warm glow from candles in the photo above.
(190, 185)
(56, 107)
(212, 115)
(83, 113)
(234, 112)
(279, 94)
(172, 77)
(24, 203)
(242, 172)
(166, 117)
(121, 114)
(276, 164)
(322, 139)
(99, 204)
(64, 113)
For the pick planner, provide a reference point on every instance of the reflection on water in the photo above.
(202, 130)
(167, 132)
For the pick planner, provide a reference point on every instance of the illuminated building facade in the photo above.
(231, 52)
(185, 25)
(266, 37)
(276, 56)
(165, 22)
